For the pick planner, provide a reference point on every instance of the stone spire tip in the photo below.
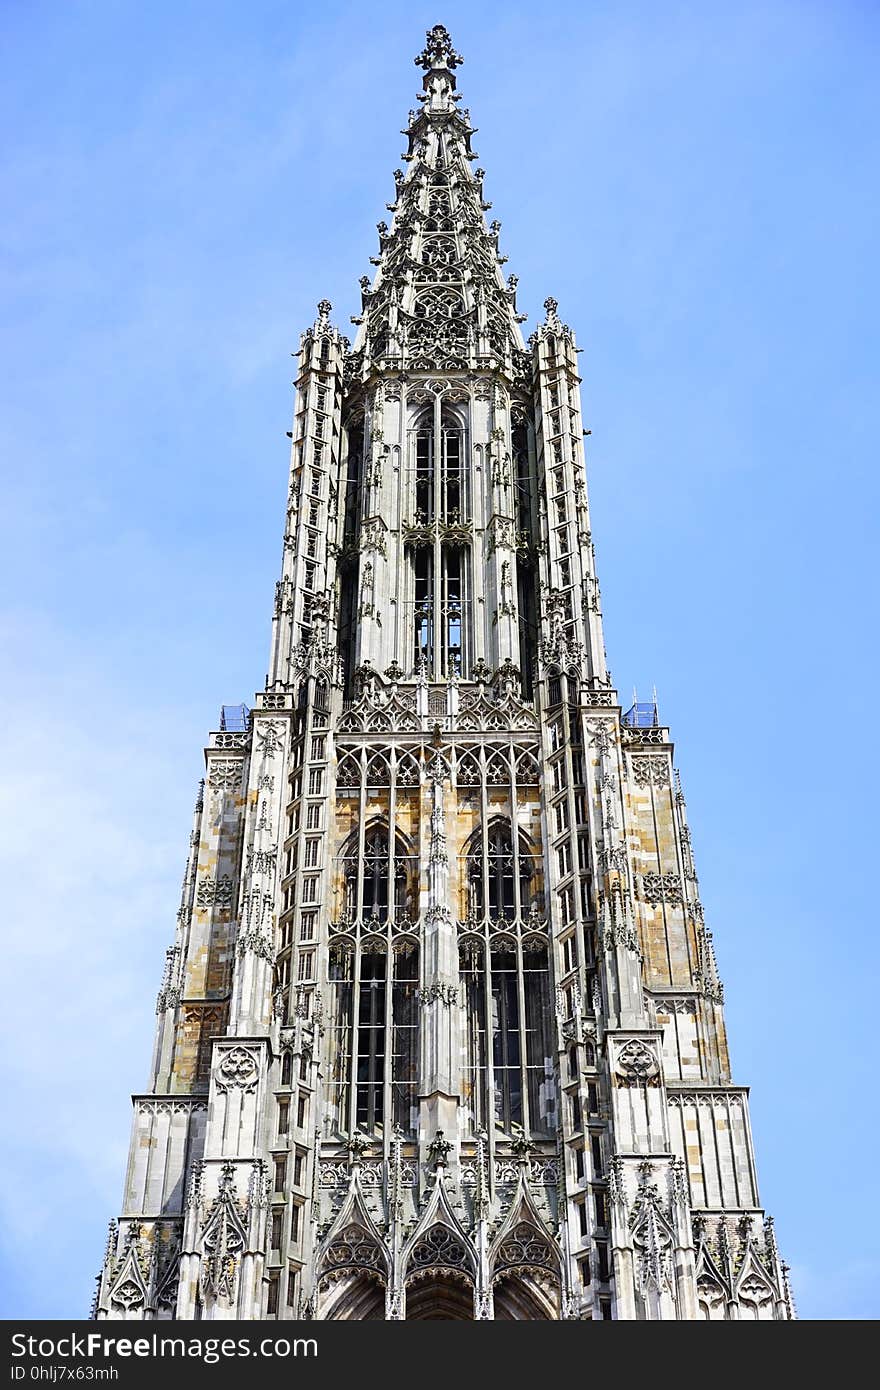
(438, 51)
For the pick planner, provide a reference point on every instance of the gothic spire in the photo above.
(439, 299)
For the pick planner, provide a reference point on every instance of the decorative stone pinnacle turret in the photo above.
(438, 51)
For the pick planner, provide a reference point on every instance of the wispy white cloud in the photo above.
(90, 858)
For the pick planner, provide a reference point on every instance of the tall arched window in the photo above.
(440, 500)
(373, 980)
(491, 870)
(441, 475)
(369, 876)
(374, 1022)
(510, 1074)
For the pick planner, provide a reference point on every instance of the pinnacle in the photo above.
(438, 51)
(439, 299)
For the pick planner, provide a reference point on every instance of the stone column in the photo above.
(440, 1084)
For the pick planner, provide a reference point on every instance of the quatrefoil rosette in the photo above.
(637, 1061)
(237, 1071)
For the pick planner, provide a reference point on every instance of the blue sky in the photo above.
(696, 184)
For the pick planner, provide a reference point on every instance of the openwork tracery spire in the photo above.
(439, 299)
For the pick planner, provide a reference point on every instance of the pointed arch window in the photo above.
(440, 574)
(374, 1026)
(373, 979)
(510, 1070)
(373, 883)
(492, 872)
(381, 886)
(442, 481)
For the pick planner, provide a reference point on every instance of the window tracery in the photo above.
(373, 979)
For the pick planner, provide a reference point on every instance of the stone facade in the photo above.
(441, 1031)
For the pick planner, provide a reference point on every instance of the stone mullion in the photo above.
(357, 925)
(400, 483)
(467, 607)
(479, 519)
(518, 915)
(548, 542)
(503, 518)
(406, 646)
(388, 1078)
(514, 830)
(438, 463)
(489, 1092)
(577, 867)
(387, 1072)
(321, 871)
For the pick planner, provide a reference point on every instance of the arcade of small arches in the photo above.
(440, 1280)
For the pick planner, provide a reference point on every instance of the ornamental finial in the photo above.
(438, 51)
(324, 310)
(439, 1150)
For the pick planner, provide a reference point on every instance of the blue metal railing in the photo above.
(234, 719)
(642, 715)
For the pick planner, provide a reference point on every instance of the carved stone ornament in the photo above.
(637, 1061)
(215, 892)
(439, 1248)
(648, 769)
(658, 888)
(447, 994)
(439, 1150)
(352, 1249)
(224, 1240)
(225, 773)
(237, 1071)
(526, 1247)
(270, 737)
(128, 1296)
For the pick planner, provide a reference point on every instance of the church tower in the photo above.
(441, 1032)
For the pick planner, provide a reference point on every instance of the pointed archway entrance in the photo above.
(439, 1296)
(522, 1299)
(354, 1298)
